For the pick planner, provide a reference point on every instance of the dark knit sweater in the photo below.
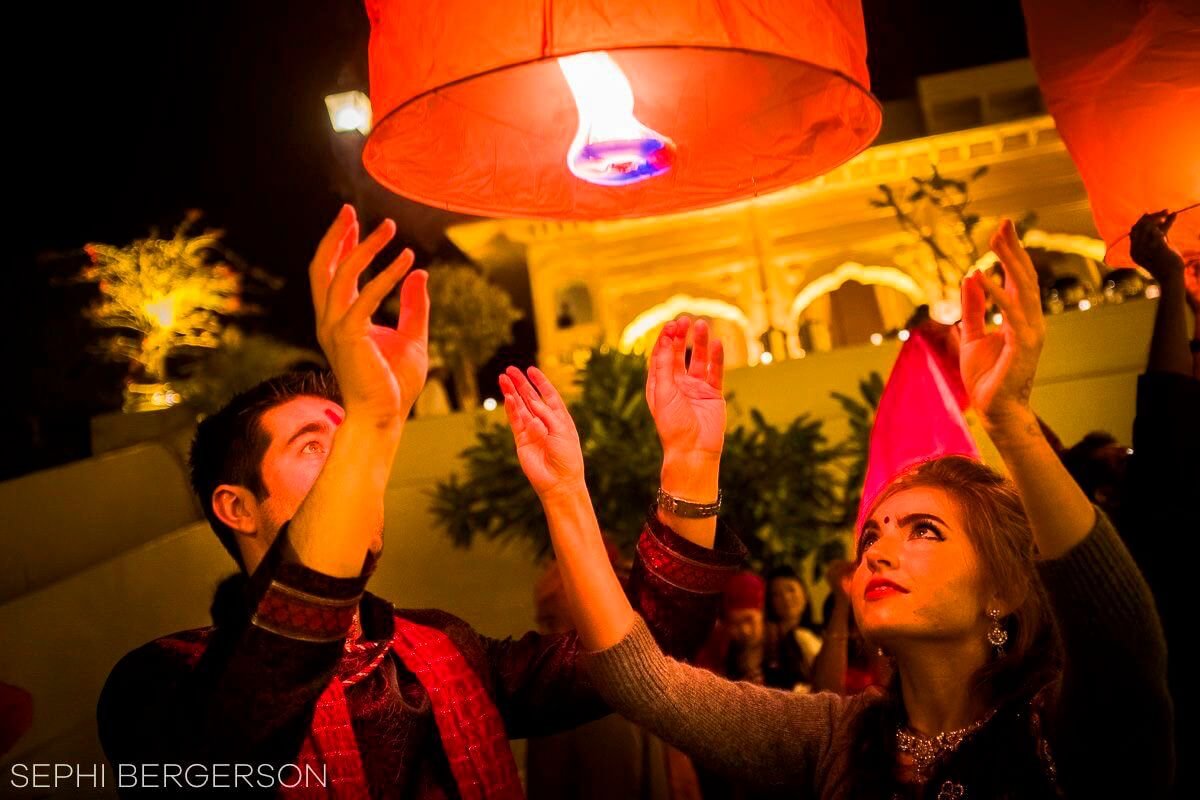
(1108, 730)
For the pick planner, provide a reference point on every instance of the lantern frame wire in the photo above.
(1119, 247)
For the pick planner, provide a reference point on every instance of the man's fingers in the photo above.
(344, 286)
(331, 241)
(377, 289)
(413, 322)
(327, 256)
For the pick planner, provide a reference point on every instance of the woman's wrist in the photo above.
(566, 494)
(692, 476)
(1015, 427)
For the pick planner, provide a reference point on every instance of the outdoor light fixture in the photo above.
(349, 111)
(594, 109)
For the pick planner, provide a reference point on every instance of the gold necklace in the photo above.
(928, 750)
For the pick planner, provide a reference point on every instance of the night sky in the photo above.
(122, 116)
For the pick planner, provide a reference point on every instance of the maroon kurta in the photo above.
(250, 697)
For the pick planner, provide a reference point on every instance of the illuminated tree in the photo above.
(161, 296)
(469, 319)
(796, 492)
(239, 362)
(936, 213)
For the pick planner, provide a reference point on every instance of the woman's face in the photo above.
(918, 574)
(788, 599)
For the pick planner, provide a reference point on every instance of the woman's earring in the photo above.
(997, 637)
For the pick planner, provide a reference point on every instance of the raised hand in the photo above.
(838, 575)
(998, 367)
(550, 455)
(686, 399)
(1149, 248)
(380, 369)
(547, 442)
(997, 370)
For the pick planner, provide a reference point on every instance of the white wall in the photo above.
(62, 520)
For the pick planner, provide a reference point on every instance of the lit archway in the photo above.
(1084, 246)
(868, 275)
(634, 337)
(853, 271)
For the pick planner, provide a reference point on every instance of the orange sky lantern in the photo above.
(592, 109)
(1122, 79)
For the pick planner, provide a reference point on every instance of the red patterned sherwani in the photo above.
(406, 704)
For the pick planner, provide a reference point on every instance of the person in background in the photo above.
(735, 651)
(1158, 500)
(846, 663)
(1099, 464)
(1191, 284)
(610, 757)
(790, 643)
(1178, 277)
(735, 648)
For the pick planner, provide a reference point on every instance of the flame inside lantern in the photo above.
(611, 147)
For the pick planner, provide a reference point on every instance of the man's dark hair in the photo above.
(1086, 464)
(229, 445)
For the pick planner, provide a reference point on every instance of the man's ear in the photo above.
(237, 508)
